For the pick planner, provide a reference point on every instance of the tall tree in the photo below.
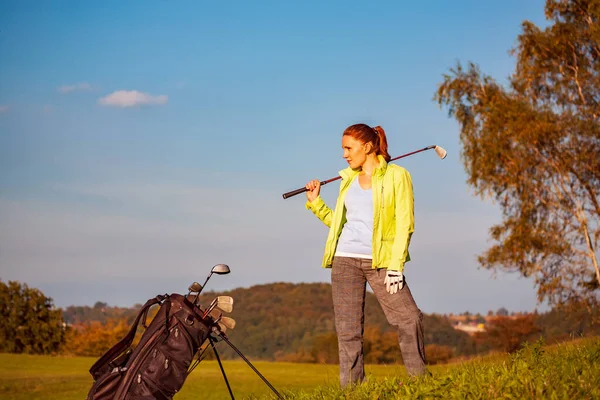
(30, 323)
(534, 146)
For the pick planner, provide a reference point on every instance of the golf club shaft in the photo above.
(209, 309)
(302, 190)
(202, 287)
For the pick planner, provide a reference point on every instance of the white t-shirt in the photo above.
(356, 239)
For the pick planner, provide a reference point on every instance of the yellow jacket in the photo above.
(393, 223)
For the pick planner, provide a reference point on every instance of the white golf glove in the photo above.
(394, 281)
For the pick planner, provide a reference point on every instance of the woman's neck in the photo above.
(370, 164)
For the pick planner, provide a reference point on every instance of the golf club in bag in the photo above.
(168, 350)
(438, 150)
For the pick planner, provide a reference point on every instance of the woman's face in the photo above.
(355, 151)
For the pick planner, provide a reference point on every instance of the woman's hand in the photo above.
(313, 189)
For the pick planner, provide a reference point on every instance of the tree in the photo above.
(507, 334)
(502, 312)
(534, 146)
(436, 354)
(381, 347)
(30, 323)
(92, 339)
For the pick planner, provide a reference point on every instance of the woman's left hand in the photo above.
(394, 281)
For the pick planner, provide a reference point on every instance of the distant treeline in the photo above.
(294, 322)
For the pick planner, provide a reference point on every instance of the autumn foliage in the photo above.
(94, 338)
(533, 145)
(507, 334)
(282, 322)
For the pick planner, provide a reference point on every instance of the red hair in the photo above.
(375, 136)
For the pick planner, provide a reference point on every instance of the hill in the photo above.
(276, 319)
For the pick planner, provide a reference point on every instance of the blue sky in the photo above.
(143, 142)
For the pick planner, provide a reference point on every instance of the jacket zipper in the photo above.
(376, 218)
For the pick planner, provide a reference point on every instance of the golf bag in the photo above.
(158, 366)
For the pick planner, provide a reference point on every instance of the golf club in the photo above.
(219, 269)
(229, 323)
(438, 150)
(215, 315)
(225, 307)
(223, 303)
(194, 287)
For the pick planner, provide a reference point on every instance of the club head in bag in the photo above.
(229, 323)
(195, 287)
(219, 269)
(215, 315)
(224, 303)
(225, 307)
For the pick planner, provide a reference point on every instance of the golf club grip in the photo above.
(298, 191)
(294, 192)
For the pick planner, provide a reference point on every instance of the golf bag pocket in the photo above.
(144, 389)
(178, 345)
(164, 371)
(105, 387)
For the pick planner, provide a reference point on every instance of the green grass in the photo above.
(53, 378)
(566, 371)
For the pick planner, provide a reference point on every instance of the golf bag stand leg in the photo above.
(221, 366)
(222, 335)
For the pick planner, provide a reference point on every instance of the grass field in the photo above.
(570, 371)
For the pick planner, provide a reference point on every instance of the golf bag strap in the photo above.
(126, 341)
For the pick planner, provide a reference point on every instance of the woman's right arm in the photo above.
(316, 204)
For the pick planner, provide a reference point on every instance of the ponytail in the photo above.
(383, 146)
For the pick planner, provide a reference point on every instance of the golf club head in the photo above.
(226, 307)
(195, 287)
(215, 315)
(440, 152)
(228, 322)
(220, 269)
(225, 303)
(222, 327)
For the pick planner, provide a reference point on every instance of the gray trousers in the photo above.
(348, 280)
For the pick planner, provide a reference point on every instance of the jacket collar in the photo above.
(379, 171)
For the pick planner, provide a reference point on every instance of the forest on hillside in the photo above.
(295, 322)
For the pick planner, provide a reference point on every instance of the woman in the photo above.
(369, 235)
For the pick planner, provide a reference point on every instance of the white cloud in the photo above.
(3, 109)
(131, 98)
(71, 88)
